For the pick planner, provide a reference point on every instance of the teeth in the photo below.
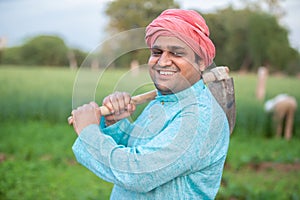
(166, 73)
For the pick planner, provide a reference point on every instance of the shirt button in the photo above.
(162, 102)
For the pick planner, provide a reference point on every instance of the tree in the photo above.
(130, 14)
(127, 15)
(45, 50)
(271, 6)
(79, 55)
(246, 39)
(12, 56)
(228, 31)
(268, 42)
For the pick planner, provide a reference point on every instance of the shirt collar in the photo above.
(197, 87)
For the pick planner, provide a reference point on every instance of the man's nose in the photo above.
(164, 60)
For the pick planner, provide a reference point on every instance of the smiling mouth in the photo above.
(166, 73)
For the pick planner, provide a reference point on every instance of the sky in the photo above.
(81, 23)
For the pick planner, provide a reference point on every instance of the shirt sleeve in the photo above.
(179, 149)
(118, 131)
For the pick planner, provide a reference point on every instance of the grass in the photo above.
(245, 150)
(32, 93)
(264, 185)
(36, 161)
(40, 164)
(251, 117)
(261, 168)
(47, 93)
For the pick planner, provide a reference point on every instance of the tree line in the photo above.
(42, 50)
(245, 38)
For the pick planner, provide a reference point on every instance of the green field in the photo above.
(36, 161)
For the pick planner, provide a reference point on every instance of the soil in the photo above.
(2, 157)
(266, 166)
(282, 167)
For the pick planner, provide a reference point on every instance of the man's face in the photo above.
(172, 65)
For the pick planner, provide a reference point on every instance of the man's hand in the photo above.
(119, 105)
(85, 115)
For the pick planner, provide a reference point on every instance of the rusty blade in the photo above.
(223, 91)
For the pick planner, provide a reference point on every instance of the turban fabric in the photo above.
(188, 26)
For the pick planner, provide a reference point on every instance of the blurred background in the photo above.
(44, 43)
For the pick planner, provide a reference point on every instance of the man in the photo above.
(177, 147)
(283, 107)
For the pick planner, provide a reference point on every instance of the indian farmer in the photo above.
(177, 147)
(283, 108)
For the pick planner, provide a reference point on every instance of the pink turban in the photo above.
(186, 25)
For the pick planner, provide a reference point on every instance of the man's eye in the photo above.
(178, 54)
(156, 53)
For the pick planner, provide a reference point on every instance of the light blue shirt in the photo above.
(176, 148)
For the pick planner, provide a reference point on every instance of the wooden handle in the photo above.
(138, 99)
(215, 74)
